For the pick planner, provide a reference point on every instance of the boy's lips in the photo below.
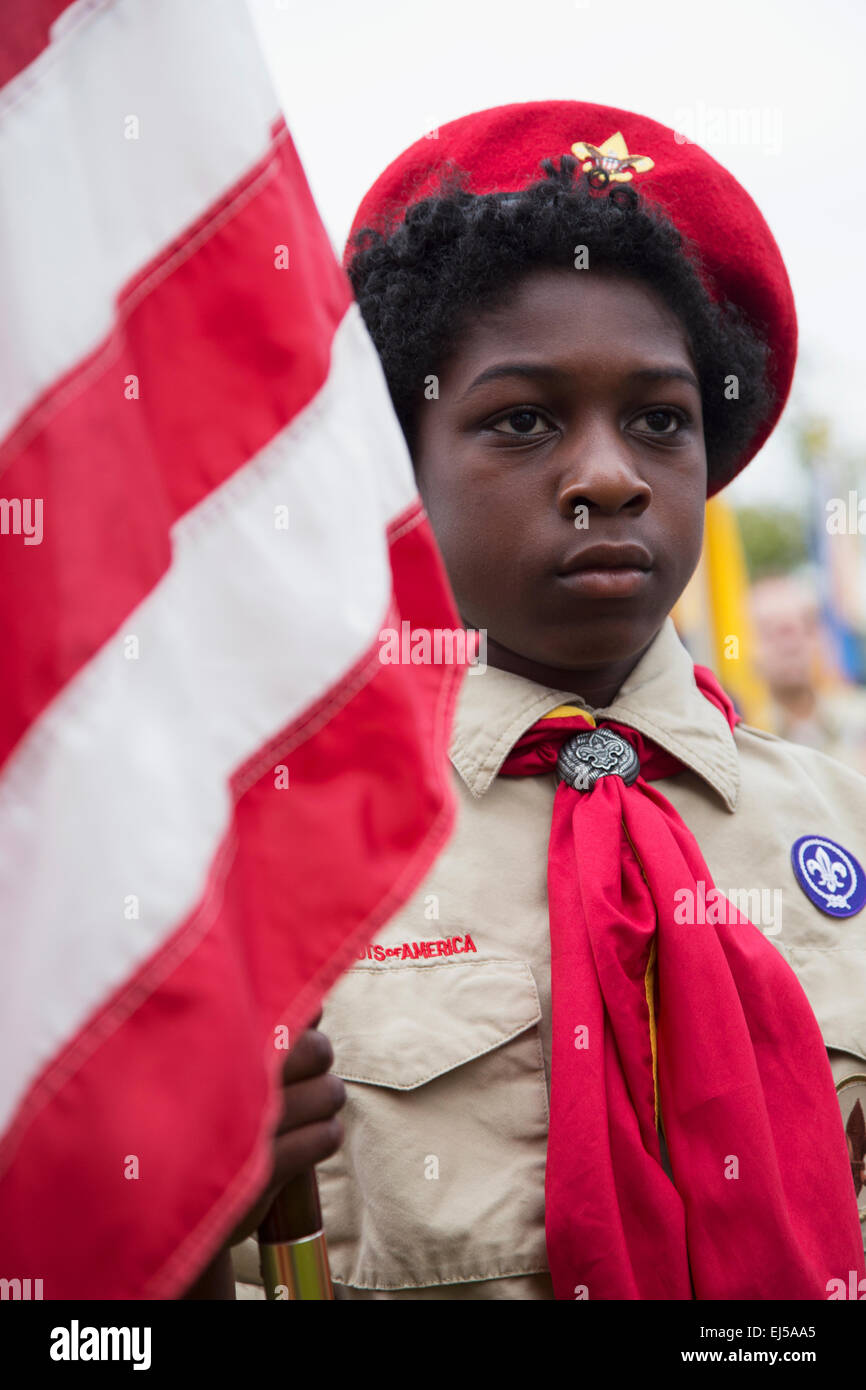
(607, 570)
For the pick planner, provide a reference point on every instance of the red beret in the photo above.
(501, 149)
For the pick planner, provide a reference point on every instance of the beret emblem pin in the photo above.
(610, 162)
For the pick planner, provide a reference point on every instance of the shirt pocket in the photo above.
(440, 1179)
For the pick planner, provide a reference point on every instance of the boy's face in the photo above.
(581, 390)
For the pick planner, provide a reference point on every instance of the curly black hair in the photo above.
(419, 282)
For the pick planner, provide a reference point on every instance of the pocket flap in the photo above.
(406, 1024)
(835, 985)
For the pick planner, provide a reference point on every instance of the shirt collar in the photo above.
(658, 699)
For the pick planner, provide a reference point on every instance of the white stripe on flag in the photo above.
(120, 786)
(84, 207)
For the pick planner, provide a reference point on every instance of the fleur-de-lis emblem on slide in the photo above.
(595, 753)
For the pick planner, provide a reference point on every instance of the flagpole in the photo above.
(292, 1248)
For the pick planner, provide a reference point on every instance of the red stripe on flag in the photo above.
(26, 31)
(178, 1069)
(227, 350)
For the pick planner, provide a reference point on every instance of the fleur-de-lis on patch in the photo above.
(832, 871)
(610, 162)
(829, 875)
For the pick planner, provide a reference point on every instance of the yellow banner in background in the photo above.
(712, 615)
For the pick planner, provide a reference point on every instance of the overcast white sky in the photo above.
(361, 81)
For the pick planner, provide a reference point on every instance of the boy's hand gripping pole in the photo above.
(292, 1249)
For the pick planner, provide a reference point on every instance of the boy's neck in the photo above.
(596, 685)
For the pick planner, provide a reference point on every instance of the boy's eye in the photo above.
(661, 421)
(521, 422)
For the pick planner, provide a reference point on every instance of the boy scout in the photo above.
(589, 1059)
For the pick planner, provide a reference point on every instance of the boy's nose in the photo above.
(601, 474)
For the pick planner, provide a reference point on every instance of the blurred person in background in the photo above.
(810, 702)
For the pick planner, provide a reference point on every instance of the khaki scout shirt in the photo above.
(442, 1031)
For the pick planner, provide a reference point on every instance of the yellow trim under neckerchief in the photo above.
(563, 711)
(649, 983)
(649, 990)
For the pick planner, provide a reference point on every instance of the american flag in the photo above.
(212, 790)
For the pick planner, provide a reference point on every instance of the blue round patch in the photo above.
(829, 875)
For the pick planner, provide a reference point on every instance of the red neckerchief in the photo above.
(762, 1205)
